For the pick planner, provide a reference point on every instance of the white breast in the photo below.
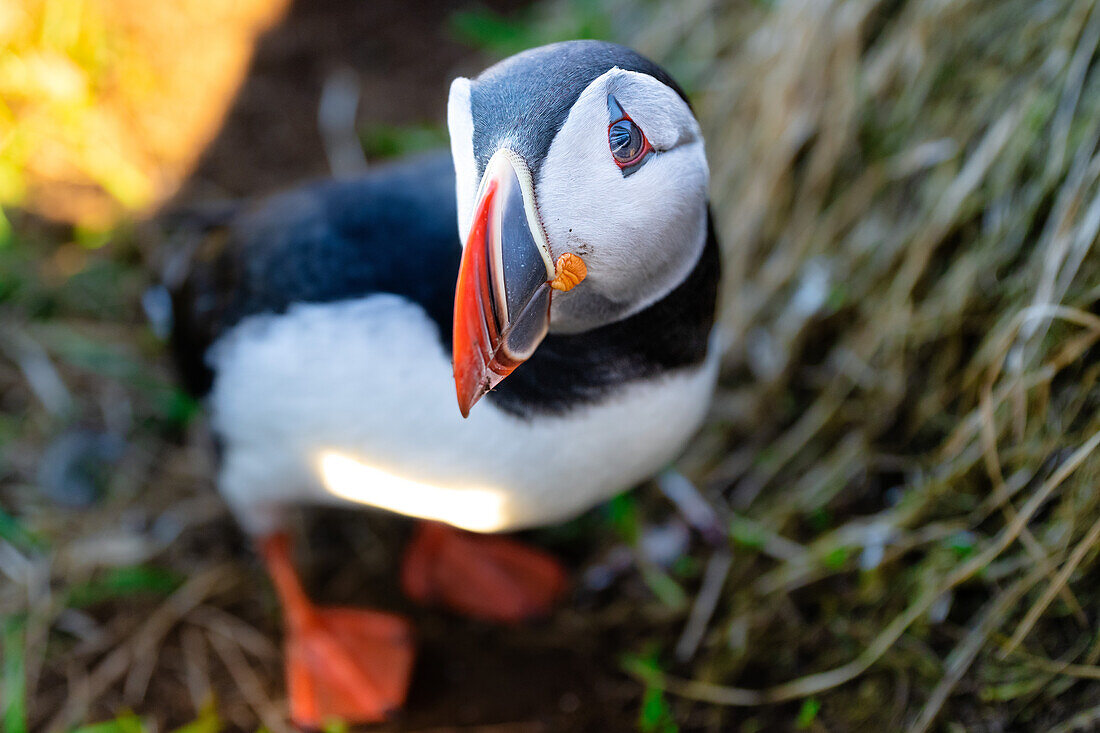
(354, 402)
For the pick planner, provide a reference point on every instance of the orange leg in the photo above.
(341, 663)
(484, 576)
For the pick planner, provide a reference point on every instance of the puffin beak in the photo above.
(502, 302)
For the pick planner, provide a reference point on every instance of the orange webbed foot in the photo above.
(483, 576)
(341, 663)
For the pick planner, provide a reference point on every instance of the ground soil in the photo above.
(402, 53)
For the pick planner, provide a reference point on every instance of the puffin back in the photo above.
(390, 231)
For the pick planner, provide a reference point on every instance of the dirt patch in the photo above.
(403, 59)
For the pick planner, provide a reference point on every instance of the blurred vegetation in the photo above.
(900, 468)
(392, 141)
(98, 114)
(57, 61)
(537, 25)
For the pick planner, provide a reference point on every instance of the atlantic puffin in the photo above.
(330, 329)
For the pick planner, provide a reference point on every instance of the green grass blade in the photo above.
(14, 684)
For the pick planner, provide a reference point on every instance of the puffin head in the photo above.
(581, 182)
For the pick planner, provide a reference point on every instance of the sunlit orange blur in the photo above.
(106, 104)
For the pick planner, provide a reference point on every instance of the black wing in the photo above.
(390, 231)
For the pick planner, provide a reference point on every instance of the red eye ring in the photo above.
(628, 143)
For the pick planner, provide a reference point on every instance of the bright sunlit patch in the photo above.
(479, 510)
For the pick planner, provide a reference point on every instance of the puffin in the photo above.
(487, 340)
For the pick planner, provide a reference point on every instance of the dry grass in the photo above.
(909, 197)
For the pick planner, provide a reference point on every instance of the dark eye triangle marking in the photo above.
(614, 109)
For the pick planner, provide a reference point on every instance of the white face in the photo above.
(639, 234)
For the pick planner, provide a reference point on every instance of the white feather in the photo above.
(460, 125)
(641, 234)
(369, 382)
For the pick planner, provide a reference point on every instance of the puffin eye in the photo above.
(628, 143)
